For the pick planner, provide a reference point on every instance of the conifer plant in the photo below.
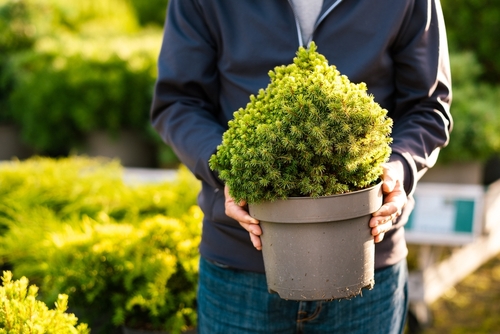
(310, 133)
(21, 312)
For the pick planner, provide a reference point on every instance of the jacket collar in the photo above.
(328, 6)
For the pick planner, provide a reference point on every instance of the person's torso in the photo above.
(254, 36)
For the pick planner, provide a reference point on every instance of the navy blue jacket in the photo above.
(216, 53)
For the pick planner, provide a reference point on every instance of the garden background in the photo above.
(76, 78)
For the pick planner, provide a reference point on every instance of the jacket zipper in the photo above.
(297, 25)
(325, 14)
(321, 18)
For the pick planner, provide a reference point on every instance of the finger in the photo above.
(237, 211)
(379, 231)
(392, 176)
(252, 228)
(239, 214)
(380, 220)
(389, 182)
(393, 203)
(256, 242)
(388, 209)
(388, 185)
(382, 227)
(254, 231)
(378, 238)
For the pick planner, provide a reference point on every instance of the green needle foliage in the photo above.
(126, 253)
(21, 312)
(311, 132)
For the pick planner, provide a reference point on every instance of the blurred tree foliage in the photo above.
(475, 134)
(68, 68)
(150, 12)
(474, 25)
(17, 33)
(472, 28)
(16, 29)
(69, 87)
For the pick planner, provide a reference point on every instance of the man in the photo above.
(215, 54)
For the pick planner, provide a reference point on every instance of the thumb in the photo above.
(393, 173)
(388, 185)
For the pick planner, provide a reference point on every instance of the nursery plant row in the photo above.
(124, 254)
(71, 69)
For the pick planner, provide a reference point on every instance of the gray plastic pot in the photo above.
(319, 248)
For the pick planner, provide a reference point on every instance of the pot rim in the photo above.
(379, 183)
(319, 209)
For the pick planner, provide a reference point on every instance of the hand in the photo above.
(239, 212)
(394, 200)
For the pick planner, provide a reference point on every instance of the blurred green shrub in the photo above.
(70, 188)
(22, 313)
(74, 67)
(145, 272)
(150, 12)
(69, 87)
(82, 17)
(476, 135)
(473, 26)
(125, 252)
(17, 33)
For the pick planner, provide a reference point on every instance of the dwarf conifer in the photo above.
(311, 132)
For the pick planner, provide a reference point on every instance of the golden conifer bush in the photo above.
(21, 312)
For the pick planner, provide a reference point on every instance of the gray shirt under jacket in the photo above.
(307, 12)
(216, 53)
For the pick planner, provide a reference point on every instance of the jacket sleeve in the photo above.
(422, 119)
(185, 106)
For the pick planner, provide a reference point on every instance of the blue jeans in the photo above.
(236, 301)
